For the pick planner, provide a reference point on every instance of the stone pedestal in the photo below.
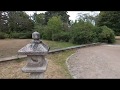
(35, 52)
(36, 66)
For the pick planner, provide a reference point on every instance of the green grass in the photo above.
(57, 45)
(60, 60)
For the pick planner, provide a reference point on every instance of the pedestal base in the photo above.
(29, 69)
(36, 72)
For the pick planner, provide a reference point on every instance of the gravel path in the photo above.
(96, 62)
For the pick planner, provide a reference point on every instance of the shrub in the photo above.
(14, 35)
(2, 35)
(26, 35)
(63, 36)
(82, 33)
(83, 37)
(107, 35)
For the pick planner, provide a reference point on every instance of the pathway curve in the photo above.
(95, 62)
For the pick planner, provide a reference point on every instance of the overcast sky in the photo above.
(73, 14)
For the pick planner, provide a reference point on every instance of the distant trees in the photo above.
(111, 19)
(87, 17)
(56, 26)
(3, 21)
(15, 24)
(63, 14)
(19, 21)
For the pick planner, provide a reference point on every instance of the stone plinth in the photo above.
(35, 51)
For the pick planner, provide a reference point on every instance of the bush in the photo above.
(2, 35)
(14, 35)
(26, 35)
(107, 35)
(83, 37)
(63, 36)
(83, 33)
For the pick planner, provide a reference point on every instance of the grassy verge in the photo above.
(57, 45)
(57, 68)
(60, 60)
(56, 62)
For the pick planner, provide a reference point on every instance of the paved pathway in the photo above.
(96, 62)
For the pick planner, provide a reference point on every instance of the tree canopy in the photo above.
(111, 19)
(55, 25)
(63, 14)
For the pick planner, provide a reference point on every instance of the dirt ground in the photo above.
(10, 47)
(12, 70)
(96, 62)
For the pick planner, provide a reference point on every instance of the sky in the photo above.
(73, 14)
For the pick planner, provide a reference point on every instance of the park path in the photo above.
(95, 62)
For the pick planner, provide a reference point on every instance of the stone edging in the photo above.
(73, 47)
(69, 66)
(50, 52)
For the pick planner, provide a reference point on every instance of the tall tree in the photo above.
(39, 18)
(19, 21)
(3, 21)
(54, 26)
(111, 19)
(87, 17)
(63, 14)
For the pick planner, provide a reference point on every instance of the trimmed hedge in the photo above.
(21, 35)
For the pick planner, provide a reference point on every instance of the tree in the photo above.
(39, 19)
(19, 21)
(87, 17)
(63, 14)
(3, 22)
(110, 19)
(54, 26)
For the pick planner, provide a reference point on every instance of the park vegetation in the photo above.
(56, 26)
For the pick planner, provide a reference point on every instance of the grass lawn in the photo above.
(9, 47)
(57, 45)
(56, 62)
(56, 69)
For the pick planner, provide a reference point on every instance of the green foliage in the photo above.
(54, 26)
(110, 19)
(3, 23)
(40, 29)
(2, 35)
(107, 35)
(82, 33)
(19, 22)
(63, 36)
(47, 34)
(39, 18)
(87, 17)
(16, 22)
(63, 14)
(20, 35)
